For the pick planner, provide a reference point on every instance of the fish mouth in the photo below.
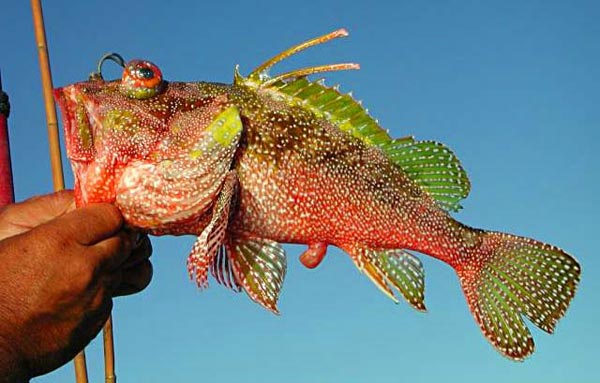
(78, 123)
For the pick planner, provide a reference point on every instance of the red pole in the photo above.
(7, 194)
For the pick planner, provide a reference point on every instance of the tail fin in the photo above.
(509, 277)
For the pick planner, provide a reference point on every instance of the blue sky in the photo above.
(511, 86)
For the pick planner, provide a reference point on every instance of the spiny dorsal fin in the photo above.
(338, 108)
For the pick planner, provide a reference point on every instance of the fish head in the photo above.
(110, 126)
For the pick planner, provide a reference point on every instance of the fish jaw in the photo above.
(94, 179)
(107, 132)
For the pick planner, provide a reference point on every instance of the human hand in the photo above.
(61, 267)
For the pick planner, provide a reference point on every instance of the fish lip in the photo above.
(65, 110)
(66, 98)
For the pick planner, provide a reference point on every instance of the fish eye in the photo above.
(141, 80)
(146, 73)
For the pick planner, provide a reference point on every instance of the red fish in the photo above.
(280, 159)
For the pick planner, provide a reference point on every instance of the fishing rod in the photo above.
(7, 193)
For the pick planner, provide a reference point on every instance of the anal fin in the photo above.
(392, 269)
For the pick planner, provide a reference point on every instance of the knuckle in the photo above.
(144, 273)
(147, 272)
(89, 223)
(63, 200)
(117, 246)
(65, 194)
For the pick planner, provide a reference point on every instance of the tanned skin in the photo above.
(61, 269)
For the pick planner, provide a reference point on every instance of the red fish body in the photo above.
(266, 161)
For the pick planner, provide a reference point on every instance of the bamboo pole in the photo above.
(53, 140)
(58, 181)
(109, 355)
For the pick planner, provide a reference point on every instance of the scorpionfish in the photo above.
(279, 159)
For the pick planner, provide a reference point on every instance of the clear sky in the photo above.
(512, 86)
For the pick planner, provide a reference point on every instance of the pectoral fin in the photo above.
(210, 242)
(259, 266)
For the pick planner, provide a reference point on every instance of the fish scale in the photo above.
(279, 159)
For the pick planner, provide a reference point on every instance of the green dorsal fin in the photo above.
(429, 164)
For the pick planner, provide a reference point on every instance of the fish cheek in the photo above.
(125, 135)
(188, 127)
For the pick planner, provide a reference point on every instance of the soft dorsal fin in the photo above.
(429, 164)
(433, 167)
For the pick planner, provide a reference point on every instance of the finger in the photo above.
(109, 254)
(58, 203)
(112, 281)
(54, 204)
(24, 216)
(135, 279)
(142, 251)
(91, 224)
